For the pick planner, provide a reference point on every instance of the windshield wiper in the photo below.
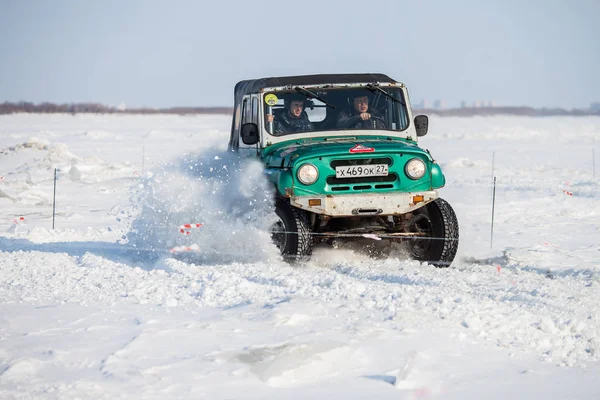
(374, 87)
(308, 93)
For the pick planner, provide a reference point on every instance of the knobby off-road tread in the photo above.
(451, 231)
(305, 238)
(299, 240)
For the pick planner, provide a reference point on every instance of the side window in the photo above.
(249, 115)
(254, 110)
(237, 120)
(246, 114)
(403, 113)
(399, 114)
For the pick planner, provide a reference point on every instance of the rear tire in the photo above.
(438, 222)
(292, 233)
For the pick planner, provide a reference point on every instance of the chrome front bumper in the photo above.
(348, 205)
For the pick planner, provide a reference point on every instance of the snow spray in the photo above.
(228, 194)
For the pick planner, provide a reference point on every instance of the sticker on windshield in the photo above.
(271, 99)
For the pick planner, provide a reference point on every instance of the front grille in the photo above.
(361, 187)
(361, 161)
(332, 180)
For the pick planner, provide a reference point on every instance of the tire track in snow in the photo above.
(519, 309)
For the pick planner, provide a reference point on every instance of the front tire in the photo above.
(438, 222)
(292, 233)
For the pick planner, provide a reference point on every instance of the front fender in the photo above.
(438, 179)
(282, 180)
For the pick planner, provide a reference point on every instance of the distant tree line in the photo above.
(525, 111)
(95, 108)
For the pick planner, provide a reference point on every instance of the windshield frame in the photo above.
(407, 133)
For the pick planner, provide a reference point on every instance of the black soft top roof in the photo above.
(255, 85)
(246, 87)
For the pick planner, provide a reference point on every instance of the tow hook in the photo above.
(367, 211)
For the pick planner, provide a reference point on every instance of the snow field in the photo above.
(98, 308)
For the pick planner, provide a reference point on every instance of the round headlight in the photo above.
(415, 168)
(308, 174)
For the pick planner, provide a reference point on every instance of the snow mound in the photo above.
(37, 169)
(21, 370)
(32, 143)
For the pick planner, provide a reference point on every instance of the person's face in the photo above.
(296, 108)
(361, 104)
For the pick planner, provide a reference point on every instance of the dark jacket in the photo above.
(350, 119)
(284, 122)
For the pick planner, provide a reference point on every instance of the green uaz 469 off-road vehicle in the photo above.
(342, 154)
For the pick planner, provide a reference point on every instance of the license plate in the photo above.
(357, 171)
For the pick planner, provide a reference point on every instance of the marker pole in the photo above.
(493, 206)
(54, 200)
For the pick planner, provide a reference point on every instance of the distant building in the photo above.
(438, 104)
(122, 106)
(463, 104)
(595, 106)
(421, 105)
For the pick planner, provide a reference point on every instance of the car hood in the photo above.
(286, 154)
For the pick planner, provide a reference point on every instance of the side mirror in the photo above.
(421, 124)
(250, 133)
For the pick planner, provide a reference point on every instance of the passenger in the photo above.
(359, 116)
(293, 119)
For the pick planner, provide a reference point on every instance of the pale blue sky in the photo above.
(191, 53)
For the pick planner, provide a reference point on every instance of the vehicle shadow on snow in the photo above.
(127, 254)
(120, 253)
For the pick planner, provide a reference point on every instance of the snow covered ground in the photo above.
(99, 308)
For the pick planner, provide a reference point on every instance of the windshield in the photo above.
(302, 110)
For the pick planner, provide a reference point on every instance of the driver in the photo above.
(359, 116)
(293, 118)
